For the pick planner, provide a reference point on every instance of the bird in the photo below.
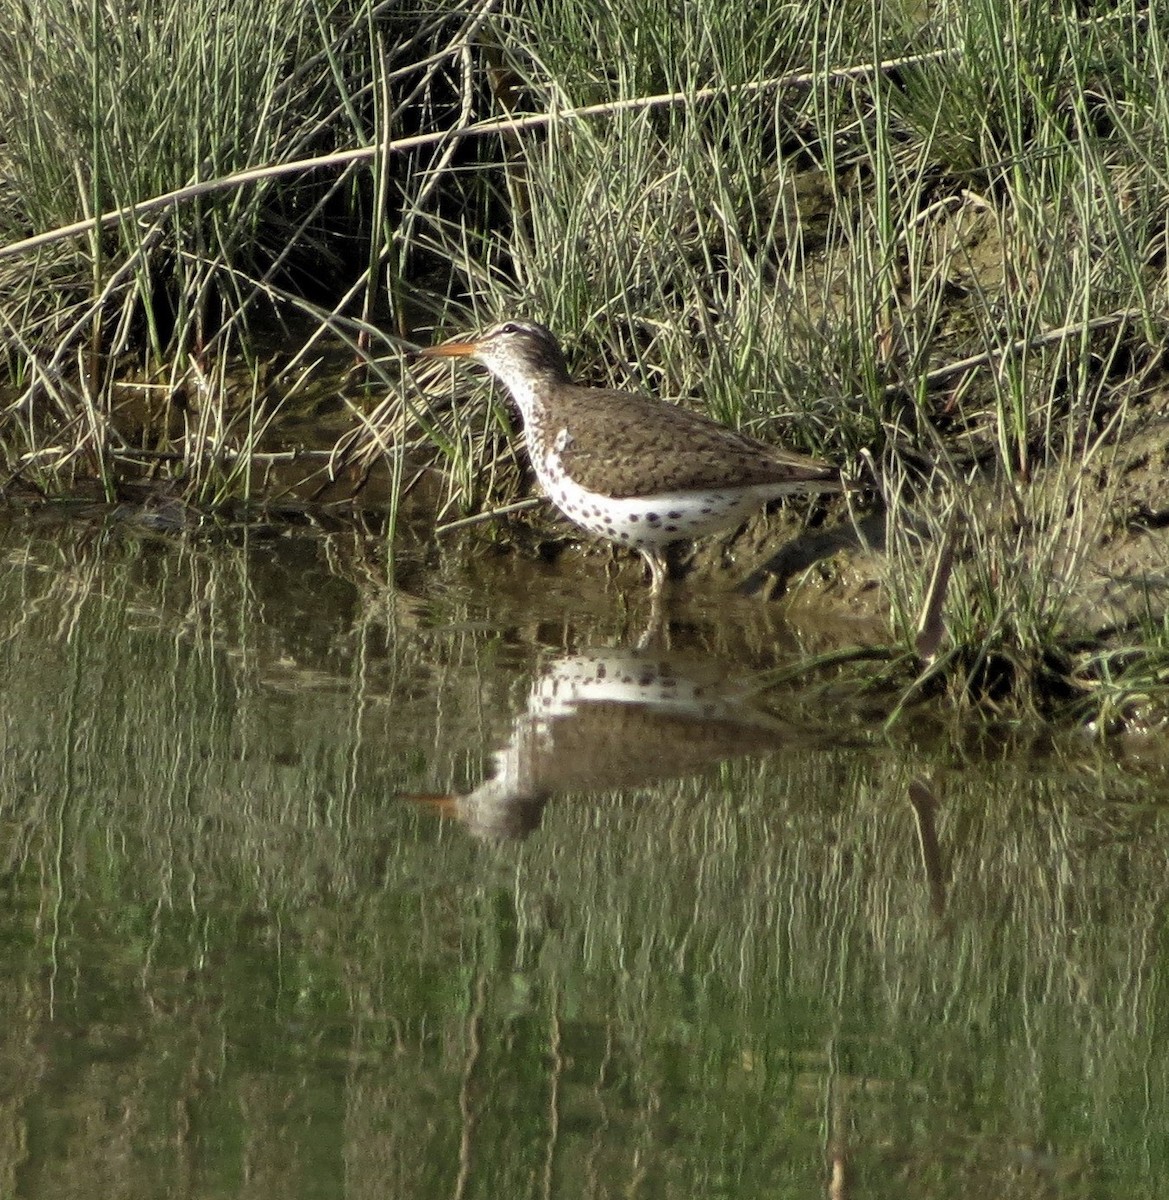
(625, 466)
(604, 718)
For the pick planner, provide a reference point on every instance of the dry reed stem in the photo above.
(482, 129)
(1047, 338)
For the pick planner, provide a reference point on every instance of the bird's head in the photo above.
(512, 351)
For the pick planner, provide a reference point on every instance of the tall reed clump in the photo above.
(175, 174)
(105, 106)
(1035, 127)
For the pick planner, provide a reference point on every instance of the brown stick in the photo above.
(481, 129)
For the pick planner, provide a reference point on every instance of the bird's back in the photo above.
(629, 444)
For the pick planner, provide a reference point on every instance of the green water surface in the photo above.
(243, 958)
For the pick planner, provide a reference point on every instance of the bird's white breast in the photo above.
(640, 522)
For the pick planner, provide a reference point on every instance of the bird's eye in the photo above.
(509, 327)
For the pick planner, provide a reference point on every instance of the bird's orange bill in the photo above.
(449, 350)
(444, 805)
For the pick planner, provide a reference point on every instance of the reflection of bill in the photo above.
(605, 719)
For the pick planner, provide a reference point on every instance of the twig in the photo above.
(931, 627)
(1017, 347)
(227, 454)
(490, 515)
(482, 129)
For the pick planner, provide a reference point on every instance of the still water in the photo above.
(314, 885)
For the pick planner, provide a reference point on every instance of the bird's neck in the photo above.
(530, 389)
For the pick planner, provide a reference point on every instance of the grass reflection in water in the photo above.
(235, 959)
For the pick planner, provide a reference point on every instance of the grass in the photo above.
(938, 237)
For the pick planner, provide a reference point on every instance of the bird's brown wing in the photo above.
(627, 444)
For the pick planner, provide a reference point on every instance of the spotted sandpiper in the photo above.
(625, 466)
(607, 718)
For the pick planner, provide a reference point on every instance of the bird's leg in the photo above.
(657, 632)
(656, 635)
(656, 562)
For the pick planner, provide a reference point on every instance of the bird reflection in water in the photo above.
(610, 718)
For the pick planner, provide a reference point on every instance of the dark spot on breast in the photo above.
(633, 518)
(674, 516)
(670, 528)
(707, 511)
(652, 518)
(624, 537)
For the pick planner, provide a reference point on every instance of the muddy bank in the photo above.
(825, 566)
